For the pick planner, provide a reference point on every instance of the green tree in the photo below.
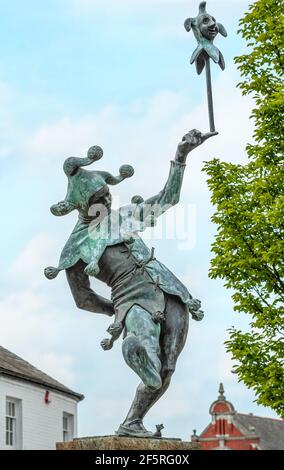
(249, 245)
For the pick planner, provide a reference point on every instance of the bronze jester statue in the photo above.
(150, 305)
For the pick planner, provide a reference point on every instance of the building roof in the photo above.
(261, 433)
(270, 431)
(14, 366)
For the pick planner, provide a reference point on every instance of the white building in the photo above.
(36, 411)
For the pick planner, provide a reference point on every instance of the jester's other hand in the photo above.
(197, 316)
(107, 344)
(194, 305)
(115, 330)
(190, 141)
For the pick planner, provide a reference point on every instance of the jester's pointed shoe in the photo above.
(133, 428)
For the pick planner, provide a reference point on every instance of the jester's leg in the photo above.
(141, 352)
(141, 347)
(173, 336)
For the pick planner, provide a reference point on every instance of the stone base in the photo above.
(125, 443)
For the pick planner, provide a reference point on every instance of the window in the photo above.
(68, 427)
(10, 423)
(13, 423)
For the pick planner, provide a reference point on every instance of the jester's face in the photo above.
(208, 26)
(100, 202)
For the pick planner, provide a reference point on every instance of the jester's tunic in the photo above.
(114, 253)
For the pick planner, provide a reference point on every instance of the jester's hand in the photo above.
(106, 344)
(194, 305)
(189, 142)
(115, 330)
(197, 316)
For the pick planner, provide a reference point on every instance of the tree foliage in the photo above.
(249, 245)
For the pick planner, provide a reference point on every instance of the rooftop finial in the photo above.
(194, 436)
(221, 392)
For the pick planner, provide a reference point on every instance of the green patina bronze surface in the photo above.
(205, 29)
(149, 303)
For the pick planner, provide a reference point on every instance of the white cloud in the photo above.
(30, 327)
(81, 5)
(111, 127)
(56, 365)
(175, 402)
(153, 14)
(145, 134)
(36, 254)
(225, 367)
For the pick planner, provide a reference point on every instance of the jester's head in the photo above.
(88, 188)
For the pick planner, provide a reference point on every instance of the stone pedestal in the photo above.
(125, 443)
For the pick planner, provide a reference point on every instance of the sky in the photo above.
(114, 73)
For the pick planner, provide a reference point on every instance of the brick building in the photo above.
(230, 430)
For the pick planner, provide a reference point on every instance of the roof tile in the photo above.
(15, 366)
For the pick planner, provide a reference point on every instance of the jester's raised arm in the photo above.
(156, 205)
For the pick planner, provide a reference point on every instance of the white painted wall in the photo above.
(41, 422)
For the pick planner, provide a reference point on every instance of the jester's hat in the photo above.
(83, 184)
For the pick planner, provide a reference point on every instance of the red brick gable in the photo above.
(230, 430)
(221, 427)
(221, 407)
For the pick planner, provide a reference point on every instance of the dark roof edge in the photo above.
(261, 417)
(42, 383)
